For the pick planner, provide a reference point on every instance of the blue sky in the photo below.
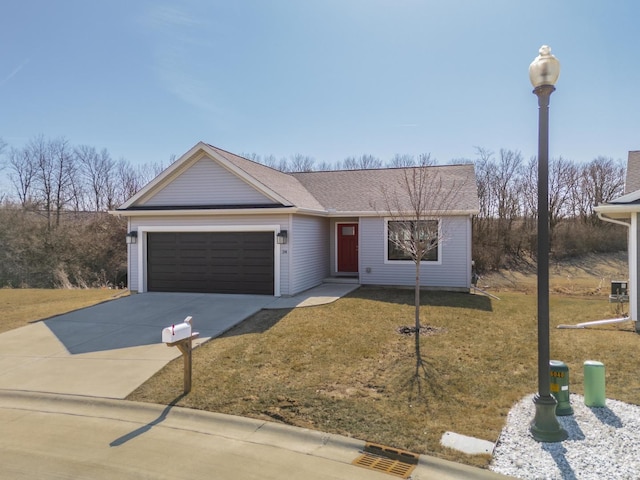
(324, 78)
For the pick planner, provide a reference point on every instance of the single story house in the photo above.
(625, 210)
(216, 222)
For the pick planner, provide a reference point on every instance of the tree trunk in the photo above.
(417, 313)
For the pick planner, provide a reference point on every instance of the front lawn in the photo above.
(21, 306)
(344, 368)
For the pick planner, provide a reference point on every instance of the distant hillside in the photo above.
(585, 275)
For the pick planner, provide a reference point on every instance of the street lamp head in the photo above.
(545, 68)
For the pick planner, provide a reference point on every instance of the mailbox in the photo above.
(175, 333)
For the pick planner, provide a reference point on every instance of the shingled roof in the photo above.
(361, 191)
(353, 191)
(343, 192)
(286, 185)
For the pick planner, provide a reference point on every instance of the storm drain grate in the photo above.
(388, 460)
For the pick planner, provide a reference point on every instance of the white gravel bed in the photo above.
(603, 443)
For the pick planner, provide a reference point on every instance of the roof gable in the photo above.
(177, 168)
(205, 182)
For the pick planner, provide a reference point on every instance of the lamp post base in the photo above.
(545, 426)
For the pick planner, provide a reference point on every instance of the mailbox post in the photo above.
(181, 336)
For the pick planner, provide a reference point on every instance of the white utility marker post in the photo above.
(181, 336)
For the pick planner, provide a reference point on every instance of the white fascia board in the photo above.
(267, 211)
(232, 211)
(624, 209)
(385, 213)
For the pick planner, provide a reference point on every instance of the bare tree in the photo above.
(563, 174)
(22, 174)
(415, 207)
(362, 162)
(128, 179)
(64, 170)
(301, 163)
(602, 180)
(326, 166)
(400, 161)
(98, 172)
(3, 146)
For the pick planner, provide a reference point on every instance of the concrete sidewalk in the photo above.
(61, 436)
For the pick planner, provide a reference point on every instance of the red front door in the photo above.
(347, 247)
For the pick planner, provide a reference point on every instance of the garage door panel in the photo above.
(212, 262)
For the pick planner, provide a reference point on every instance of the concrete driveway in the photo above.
(108, 350)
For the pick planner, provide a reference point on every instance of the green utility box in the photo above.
(560, 387)
(594, 391)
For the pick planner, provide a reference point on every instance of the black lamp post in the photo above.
(543, 73)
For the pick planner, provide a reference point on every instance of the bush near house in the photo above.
(85, 249)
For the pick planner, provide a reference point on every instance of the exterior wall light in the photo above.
(281, 237)
(132, 237)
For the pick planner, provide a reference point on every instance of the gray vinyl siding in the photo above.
(191, 221)
(207, 183)
(453, 271)
(309, 249)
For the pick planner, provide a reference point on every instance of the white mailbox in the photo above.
(178, 332)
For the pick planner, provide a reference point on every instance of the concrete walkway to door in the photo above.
(110, 349)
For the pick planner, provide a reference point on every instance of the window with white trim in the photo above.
(402, 235)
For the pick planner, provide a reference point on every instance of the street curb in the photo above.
(329, 446)
(326, 445)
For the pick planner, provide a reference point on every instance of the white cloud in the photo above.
(14, 72)
(164, 16)
(176, 44)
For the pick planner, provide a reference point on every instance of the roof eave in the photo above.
(618, 210)
(211, 211)
(384, 213)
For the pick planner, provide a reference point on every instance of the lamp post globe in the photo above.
(545, 68)
(543, 73)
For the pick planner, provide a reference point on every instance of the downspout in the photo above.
(604, 218)
(632, 248)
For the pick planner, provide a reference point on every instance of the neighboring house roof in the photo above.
(355, 192)
(623, 206)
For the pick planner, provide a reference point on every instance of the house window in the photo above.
(348, 231)
(401, 241)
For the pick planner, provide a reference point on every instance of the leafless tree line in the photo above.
(505, 228)
(54, 229)
(50, 180)
(53, 176)
(305, 163)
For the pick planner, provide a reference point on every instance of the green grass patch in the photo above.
(343, 367)
(19, 307)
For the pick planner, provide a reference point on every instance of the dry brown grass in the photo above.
(343, 367)
(19, 307)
